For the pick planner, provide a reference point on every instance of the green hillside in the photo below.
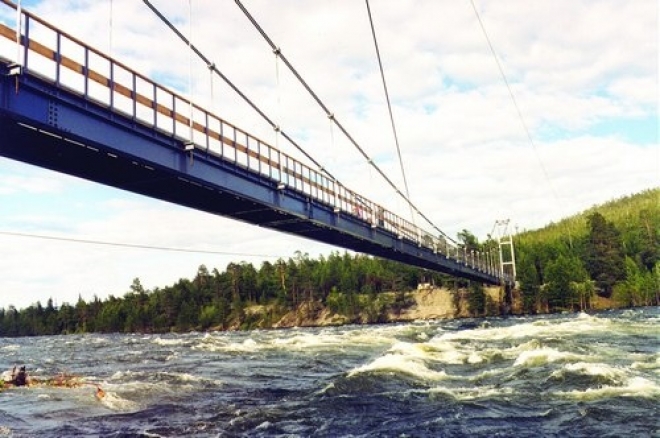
(623, 212)
(612, 250)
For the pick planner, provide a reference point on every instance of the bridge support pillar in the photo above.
(506, 304)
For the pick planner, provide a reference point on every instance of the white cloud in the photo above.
(573, 66)
(18, 178)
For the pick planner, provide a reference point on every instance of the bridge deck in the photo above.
(93, 117)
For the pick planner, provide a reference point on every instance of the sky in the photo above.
(584, 74)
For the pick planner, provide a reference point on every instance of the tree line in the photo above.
(611, 251)
(349, 285)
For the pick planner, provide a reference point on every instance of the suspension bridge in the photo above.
(68, 107)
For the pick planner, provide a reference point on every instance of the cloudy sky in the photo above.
(584, 74)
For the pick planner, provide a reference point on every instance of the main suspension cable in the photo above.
(520, 116)
(389, 107)
(332, 117)
(213, 68)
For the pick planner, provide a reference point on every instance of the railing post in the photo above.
(234, 145)
(86, 74)
(134, 95)
(173, 115)
(155, 105)
(222, 139)
(26, 42)
(19, 22)
(259, 155)
(111, 85)
(206, 132)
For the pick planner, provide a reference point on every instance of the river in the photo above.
(560, 375)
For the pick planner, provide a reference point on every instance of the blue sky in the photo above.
(584, 74)
(640, 130)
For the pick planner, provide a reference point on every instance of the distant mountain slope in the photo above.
(612, 250)
(623, 212)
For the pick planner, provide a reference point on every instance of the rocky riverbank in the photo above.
(432, 303)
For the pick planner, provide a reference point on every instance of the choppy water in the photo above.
(568, 375)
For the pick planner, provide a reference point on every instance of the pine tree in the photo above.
(529, 284)
(604, 254)
(562, 275)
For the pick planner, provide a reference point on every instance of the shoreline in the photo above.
(425, 304)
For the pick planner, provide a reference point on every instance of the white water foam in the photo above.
(648, 362)
(610, 373)
(218, 344)
(168, 342)
(404, 358)
(634, 387)
(333, 340)
(543, 356)
(400, 364)
(295, 340)
(579, 325)
(472, 393)
(113, 401)
(461, 352)
(443, 353)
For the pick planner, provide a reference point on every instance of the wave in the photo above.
(220, 345)
(594, 369)
(633, 387)
(400, 365)
(583, 375)
(294, 340)
(652, 362)
(461, 353)
(332, 339)
(403, 359)
(115, 402)
(544, 356)
(165, 379)
(475, 353)
(130, 391)
(169, 342)
(545, 328)
(472, 393)
(97, 340)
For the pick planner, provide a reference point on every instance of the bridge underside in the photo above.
(50, 127)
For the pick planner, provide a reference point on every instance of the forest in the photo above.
(347, 284)
(610, 251)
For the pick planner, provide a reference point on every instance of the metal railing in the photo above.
(55, 56)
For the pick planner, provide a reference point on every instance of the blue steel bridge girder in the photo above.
(55, 128)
